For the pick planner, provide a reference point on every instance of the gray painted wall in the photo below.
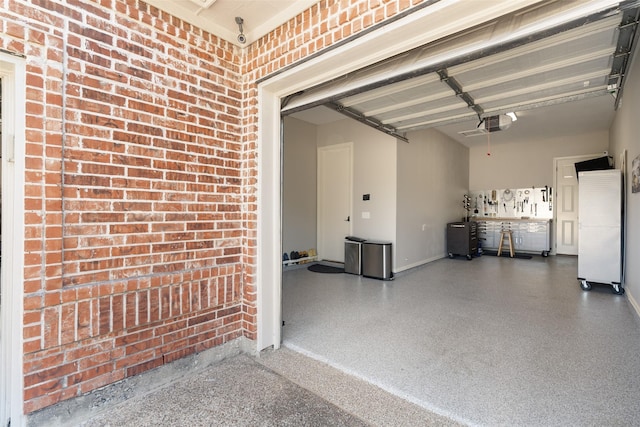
(528, 162)
(624, 134)
(433, 175)
(415, 188)
(374, 173)
(299, 186)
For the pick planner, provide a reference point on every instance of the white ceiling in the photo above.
(567, 119)
(218, 16)
(573, 68)
(588, 115)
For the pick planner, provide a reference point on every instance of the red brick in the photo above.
(83, 326)
(89, 350)
(102, 380)
(104, 313)
(178, 354)
(48, 376)
(142, 367)
(89, 374)
(118, 312)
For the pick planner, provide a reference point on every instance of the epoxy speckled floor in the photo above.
(493, 341)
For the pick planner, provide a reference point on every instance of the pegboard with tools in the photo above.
(531, 202)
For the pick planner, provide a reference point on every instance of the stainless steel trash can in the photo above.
(353, 257)
(376, 260)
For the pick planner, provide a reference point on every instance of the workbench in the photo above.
(529, 235)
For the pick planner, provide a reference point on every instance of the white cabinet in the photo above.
(600, 228)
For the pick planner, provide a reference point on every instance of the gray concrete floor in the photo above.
(492, 341)
(278, 388)
(235, 392)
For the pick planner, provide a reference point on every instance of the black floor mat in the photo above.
(321, 268)
(505, 254)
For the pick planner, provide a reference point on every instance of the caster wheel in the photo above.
(586, 286)
(469, 257)
(618, 290)
(450, 255)
(545, 253)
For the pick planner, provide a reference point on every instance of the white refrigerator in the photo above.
(600, 228)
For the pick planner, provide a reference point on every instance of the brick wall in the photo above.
(134, 203)
(141, 177)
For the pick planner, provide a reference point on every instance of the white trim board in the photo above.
(13, 74)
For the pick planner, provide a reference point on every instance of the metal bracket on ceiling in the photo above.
(288, 98)
(627, 39)
(627, 25)
(457, 89)
(369, 121)
(629, 4)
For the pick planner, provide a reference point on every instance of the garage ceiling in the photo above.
(543, 56)
(532, 62)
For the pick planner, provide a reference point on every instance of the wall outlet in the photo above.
(424, 227)
(366, 215)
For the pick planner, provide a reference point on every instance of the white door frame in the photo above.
(412, 30)
(556, 160)
(12, 71)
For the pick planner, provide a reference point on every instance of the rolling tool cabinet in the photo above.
(462, 239)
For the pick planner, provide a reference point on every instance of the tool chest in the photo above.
(462, 239)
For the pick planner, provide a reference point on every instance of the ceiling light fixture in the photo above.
(241, 37)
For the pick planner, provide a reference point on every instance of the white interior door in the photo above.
(566, 204)
(335, 182)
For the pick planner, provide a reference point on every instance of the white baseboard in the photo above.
(418, 264)
(633, 302)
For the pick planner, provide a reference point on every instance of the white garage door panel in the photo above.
(374, 90)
